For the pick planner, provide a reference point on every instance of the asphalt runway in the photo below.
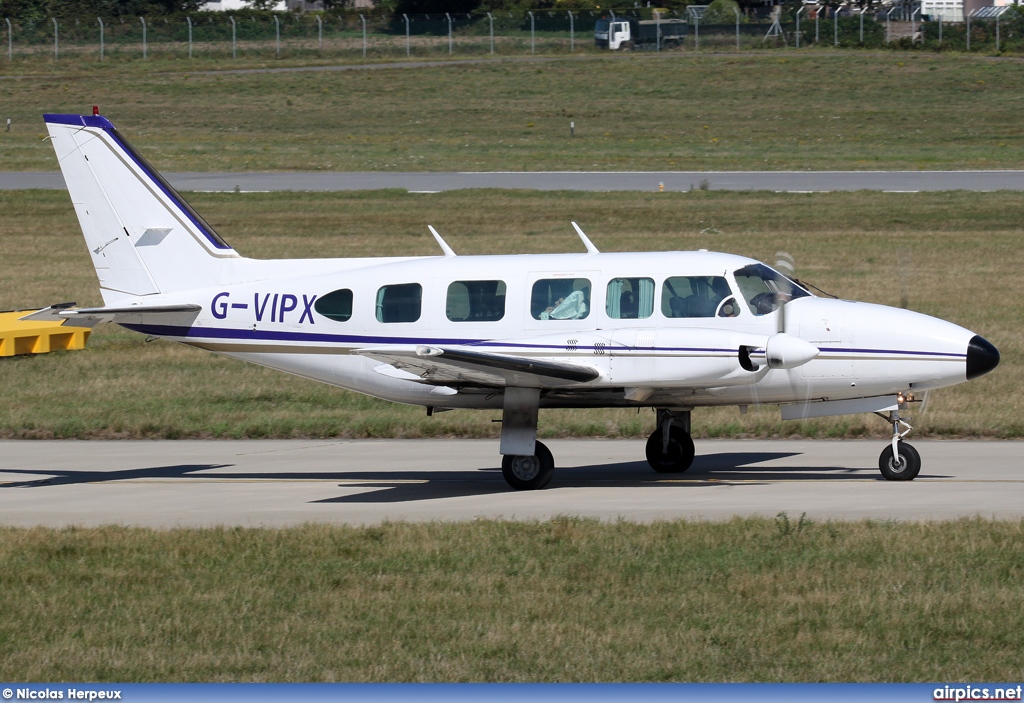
(779, 181)
(290, 482)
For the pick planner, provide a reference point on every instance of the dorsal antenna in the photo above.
(443, 244)
(591, 249)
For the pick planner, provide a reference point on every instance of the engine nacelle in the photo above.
(781, 351)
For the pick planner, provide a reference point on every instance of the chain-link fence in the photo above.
(375, 36)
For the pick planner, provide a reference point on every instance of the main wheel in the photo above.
(903, 467)
(528, 473)
(680, 451)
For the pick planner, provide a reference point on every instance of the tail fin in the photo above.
(143, 237)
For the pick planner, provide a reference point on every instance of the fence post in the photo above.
(234, 37)
(835, 26)
(100, 20)
(969, 29)
(189, 20)
(888, 25)
(696, 32)
(940, 29)
(490, 22)
(997, 32)
(319, 35)
(913, 26)
(817, 21)
(533, 41)
(802, 8)
(572, 34)
(363, 20)
(10, 41)
(449, 33)
(145, 51)
(406, 33)
(277, 37)
(862, 24)
(56, 41)
(737, 11)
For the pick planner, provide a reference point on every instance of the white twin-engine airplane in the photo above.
(671, 331)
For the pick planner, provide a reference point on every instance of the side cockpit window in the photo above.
(763, 288)
(560, 299)
(475, 301)
(695, 296)
(336, 305)
(401, 302)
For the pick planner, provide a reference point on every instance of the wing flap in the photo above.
(445, 365)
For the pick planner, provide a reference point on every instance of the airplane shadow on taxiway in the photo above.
(727, 468)
(398, 486)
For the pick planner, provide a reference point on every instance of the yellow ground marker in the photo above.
(37, 337)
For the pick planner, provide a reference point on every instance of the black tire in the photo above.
(529, 473)
(906, 468)
(680, 451)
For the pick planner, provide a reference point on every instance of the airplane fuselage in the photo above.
(686, 358)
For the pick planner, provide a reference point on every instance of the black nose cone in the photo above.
(982, 357)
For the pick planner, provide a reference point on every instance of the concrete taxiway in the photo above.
(600, 181)
(290, 482)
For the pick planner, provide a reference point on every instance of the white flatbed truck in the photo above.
(619, 34)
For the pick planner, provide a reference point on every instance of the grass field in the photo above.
(565, 600)
(954, 255)
(762, 111)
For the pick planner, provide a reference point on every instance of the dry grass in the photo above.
(566, 600)
(762, 111)
(960, 254)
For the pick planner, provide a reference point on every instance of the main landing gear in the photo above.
(670, 447)
(527, 464)
(899, 461)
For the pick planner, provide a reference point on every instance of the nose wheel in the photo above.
(670, 448)
(899, 461)
(903, 465)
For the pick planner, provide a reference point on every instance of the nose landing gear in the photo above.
(670, 447)
(899, 461)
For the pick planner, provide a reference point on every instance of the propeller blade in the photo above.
(785, 265)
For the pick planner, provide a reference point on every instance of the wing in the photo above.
(448, 366)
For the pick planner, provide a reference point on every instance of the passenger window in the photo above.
(399, 303)
(476, 301)
(336, 305)
(560, 299)
(630, 298)
(693, 296)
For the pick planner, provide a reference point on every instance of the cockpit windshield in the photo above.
(763, 288)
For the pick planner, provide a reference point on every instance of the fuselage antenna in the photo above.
(443, 244)
(591, 249)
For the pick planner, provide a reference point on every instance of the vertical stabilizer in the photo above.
(143, 237)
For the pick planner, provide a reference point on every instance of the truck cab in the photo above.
(612, 34)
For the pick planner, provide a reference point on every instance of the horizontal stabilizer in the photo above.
(450, 366)
(90, 317)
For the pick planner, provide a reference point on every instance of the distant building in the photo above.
(949, 10)
(281, 6)
(225, 5)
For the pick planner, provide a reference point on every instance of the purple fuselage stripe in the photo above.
(270, 335)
